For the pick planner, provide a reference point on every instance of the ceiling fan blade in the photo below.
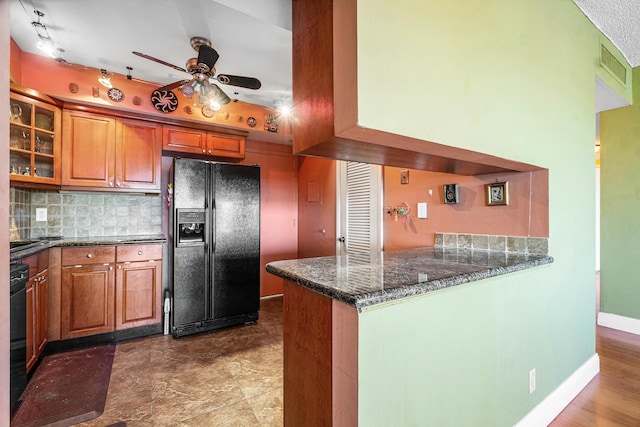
(240, 81)
(207, 57)
(159, 61)
(173, 85)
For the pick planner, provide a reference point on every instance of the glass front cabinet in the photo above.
(34, 139)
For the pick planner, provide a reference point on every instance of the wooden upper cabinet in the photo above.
(138, 154)
(103, 152)
(196, 141)
(88, 149)
(184, 140)
(225, 146)
(34, 138)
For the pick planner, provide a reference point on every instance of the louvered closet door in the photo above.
(361, 207)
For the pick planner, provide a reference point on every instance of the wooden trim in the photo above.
(162, 120)
(32, 93)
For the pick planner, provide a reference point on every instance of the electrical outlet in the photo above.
(41, 214)
(532, 380)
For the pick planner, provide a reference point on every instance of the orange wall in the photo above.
(53, 78)
(278, 207)
(316, 207)
(526, 214)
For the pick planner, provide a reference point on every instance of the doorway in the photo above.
(359, 208)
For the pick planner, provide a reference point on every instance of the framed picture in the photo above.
(451, 194)
(497, 193)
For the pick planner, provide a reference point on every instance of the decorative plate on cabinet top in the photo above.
(115, 94)
(207, 111)
(251, 121)
(164, 100)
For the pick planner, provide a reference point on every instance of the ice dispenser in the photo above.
(191, 226)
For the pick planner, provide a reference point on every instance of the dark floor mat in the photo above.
(67, 388)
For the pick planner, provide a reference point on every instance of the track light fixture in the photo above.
(105, 78)
(45, 43)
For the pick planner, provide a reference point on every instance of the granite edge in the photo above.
(369, 299)
(84, 241)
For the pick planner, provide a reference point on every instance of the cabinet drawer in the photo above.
(88, 255)
(138, 252)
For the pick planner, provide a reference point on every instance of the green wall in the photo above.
(515, 79)
(619, 197)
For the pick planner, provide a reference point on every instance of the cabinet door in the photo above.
(138, 294)
(41, 312)
(88, 150)
(31, 324)
(225, 146)
(184, 140)
(138, 155)
(87, 300)
(34, 141)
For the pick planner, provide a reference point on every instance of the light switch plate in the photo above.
(422, 210)
(41, 214)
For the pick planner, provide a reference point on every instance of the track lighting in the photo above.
(45, 43)
(283, 107)
(105, 78)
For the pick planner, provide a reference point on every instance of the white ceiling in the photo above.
(252, 37)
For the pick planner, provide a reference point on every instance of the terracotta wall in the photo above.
(53, 78)
(526, 214)
(316, 207)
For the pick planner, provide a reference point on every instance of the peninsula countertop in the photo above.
(367, 279)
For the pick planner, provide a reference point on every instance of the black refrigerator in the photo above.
(215, 244)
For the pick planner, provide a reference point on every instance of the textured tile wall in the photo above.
(19, 214)
(89, 214)
(523, 245)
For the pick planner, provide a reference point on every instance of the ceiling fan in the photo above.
(202, 69)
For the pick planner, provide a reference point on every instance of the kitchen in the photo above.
(574, 169)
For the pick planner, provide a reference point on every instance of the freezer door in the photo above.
(190, 258)
(236, 249)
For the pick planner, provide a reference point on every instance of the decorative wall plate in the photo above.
(251, 121)
(207, 111)
(115, 94)
(164, 100)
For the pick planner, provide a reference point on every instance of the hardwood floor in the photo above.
(612, 398)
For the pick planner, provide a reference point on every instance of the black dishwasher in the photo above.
(19, 276)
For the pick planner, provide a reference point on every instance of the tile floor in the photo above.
(226, 378)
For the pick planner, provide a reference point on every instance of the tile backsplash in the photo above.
(83, 214)
(515, 244)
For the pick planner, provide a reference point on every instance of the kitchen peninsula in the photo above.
(365, 331)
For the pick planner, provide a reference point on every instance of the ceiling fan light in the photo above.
(214, 105)
(188, 90)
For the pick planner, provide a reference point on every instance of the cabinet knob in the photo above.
(89, 255)
(110, 184)
(139, 252)
(204, 151)
(119, 267)
(110, 267)
(209, 151)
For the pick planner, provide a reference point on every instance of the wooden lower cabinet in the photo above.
(138, 290)
(87, 296)
(107, 288)
(37, 306)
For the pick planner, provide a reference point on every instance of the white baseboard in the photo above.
(621, 323)
(554, 403)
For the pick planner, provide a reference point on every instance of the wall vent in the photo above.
(611, 64)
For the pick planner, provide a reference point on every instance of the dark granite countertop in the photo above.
(364, 280)
(44, 243)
